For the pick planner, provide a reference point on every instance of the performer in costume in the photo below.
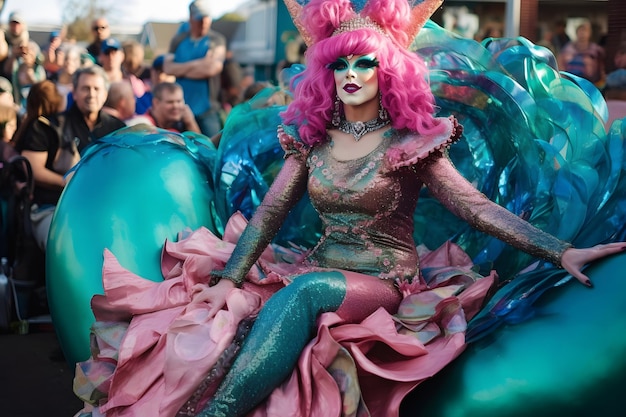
(361, 137)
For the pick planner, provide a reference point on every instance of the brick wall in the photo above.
(617, 30)
(528, 19)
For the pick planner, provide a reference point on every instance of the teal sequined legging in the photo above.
(284, 327)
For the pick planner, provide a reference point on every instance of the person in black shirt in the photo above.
(85, 120)
(46, 138)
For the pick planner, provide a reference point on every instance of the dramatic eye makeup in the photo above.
(339, 65)
(364, 62)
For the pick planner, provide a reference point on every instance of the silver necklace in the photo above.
(360, 129)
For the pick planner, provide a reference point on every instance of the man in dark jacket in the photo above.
(85, 120)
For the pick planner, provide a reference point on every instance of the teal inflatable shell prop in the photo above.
(568, 360)
(534, 141)
(131, 191)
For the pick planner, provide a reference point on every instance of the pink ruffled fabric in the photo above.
(390, 354)
(168, 351)
(347, 370)
(171, 342)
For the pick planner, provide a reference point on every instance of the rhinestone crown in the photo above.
(358, 22)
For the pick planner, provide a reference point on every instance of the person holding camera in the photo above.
(26, 68)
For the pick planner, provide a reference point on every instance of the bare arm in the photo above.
(42, 175)
(208, 66)
(50, 55)
(4, 46)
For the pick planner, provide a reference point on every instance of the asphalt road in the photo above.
(35, 379)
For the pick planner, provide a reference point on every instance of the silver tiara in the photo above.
(358, 22)
(421, 11)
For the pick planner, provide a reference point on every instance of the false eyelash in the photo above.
(368, 63)
(336, 65)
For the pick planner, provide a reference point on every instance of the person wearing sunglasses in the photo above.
(101, 31)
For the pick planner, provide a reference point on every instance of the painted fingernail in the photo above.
(588, 283)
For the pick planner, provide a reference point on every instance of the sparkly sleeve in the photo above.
(464, 200)
(286, 190)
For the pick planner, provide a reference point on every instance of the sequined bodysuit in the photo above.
(366, 213)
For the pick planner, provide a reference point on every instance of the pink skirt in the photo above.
(153, 346)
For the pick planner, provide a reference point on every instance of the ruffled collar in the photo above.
(408, 148)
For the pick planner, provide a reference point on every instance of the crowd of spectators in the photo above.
(93, 90)
(57, 97)
(197, 60)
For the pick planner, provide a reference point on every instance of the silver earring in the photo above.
(336, 113)
(382, 112)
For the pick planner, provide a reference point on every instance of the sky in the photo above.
(128, 11)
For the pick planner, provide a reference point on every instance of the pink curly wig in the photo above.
(402, 75)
